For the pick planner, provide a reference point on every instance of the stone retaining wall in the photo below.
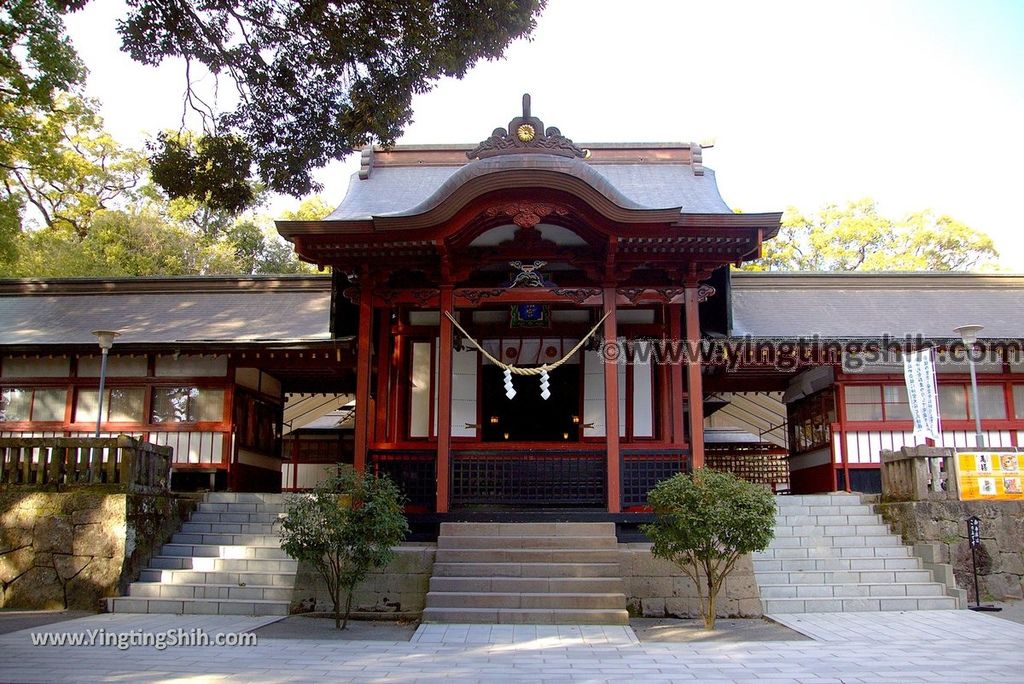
(944, 525)
(72, 549)
(399, 588)
(657, 588)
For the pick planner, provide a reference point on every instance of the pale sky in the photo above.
(919, 105)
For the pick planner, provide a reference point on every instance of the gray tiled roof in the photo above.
(167, 317)
(868, 305)
(393, 191)
(298, 309)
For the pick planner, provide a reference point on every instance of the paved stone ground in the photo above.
(970, 648)
(926, 625)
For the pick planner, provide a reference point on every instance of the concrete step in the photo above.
(837, 518)
(223, 551)
(850, 590)
(832, 498)
(545, 529)
(833, 552)
(192, 527)
(831, 563)
(574, 555)
(601, 585)
(236, 508)
(236, 578)
(527, 542)
(254, 592)
(529, 616)
(130, 604)
(874, 540)
(857, 605)
(211, 564)
(244, 497)
(829, 531)
(802, 577)
(442, 569)
(222, 539)
(201, 516)
(588, 601)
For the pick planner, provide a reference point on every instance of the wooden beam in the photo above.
(444, 401)
(694, 381)
(611, 407)
(363, 415)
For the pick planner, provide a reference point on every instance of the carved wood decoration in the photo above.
(704, 291)
(632, 294)
(577, 295)
(526, 214)
(526, 134)
(474, 296)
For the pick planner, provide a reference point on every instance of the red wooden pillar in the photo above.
(382, 401)
(364, 347)
(444, 401)
(694, 382)
(675, 372)
(611, 406)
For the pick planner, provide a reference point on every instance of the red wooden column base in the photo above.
(611, 406)
(444, 401)
(364, 349)
(694, 381)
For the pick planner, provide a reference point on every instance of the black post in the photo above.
(974, 540)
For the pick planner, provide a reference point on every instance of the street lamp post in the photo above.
(106, 341)
(969, 334)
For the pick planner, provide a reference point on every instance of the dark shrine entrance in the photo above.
(528, 417)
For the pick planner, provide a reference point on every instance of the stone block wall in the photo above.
(400, 588)
(71, 549)
(943, 524)
(658, 588)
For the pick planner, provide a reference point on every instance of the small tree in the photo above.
(704, 523)
(344, 528)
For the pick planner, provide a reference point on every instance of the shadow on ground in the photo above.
(304, 627)
(17, 620)
(674, 630)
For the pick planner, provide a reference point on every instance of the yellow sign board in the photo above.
(990, 475)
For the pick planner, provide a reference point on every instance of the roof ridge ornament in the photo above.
(526, 134)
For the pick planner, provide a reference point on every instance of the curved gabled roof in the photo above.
(409, 190)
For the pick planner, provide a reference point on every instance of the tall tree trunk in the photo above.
(348, 604)
(337, 605)
(712, 608)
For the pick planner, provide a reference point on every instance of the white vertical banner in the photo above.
(922, 393)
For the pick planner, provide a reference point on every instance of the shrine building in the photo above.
(527, 325)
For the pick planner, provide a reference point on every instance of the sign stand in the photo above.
(974, 539)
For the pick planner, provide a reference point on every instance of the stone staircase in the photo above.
(832, 554)
(527, 573)
(226, 560)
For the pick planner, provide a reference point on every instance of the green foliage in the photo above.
(346, 527)
(857, 238)
(704, 522)
(66, 166)
(36, 59)
(212, 170)
(316, 81)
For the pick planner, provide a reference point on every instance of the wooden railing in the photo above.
(918, 473)
(122, 461)
(413, 471)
